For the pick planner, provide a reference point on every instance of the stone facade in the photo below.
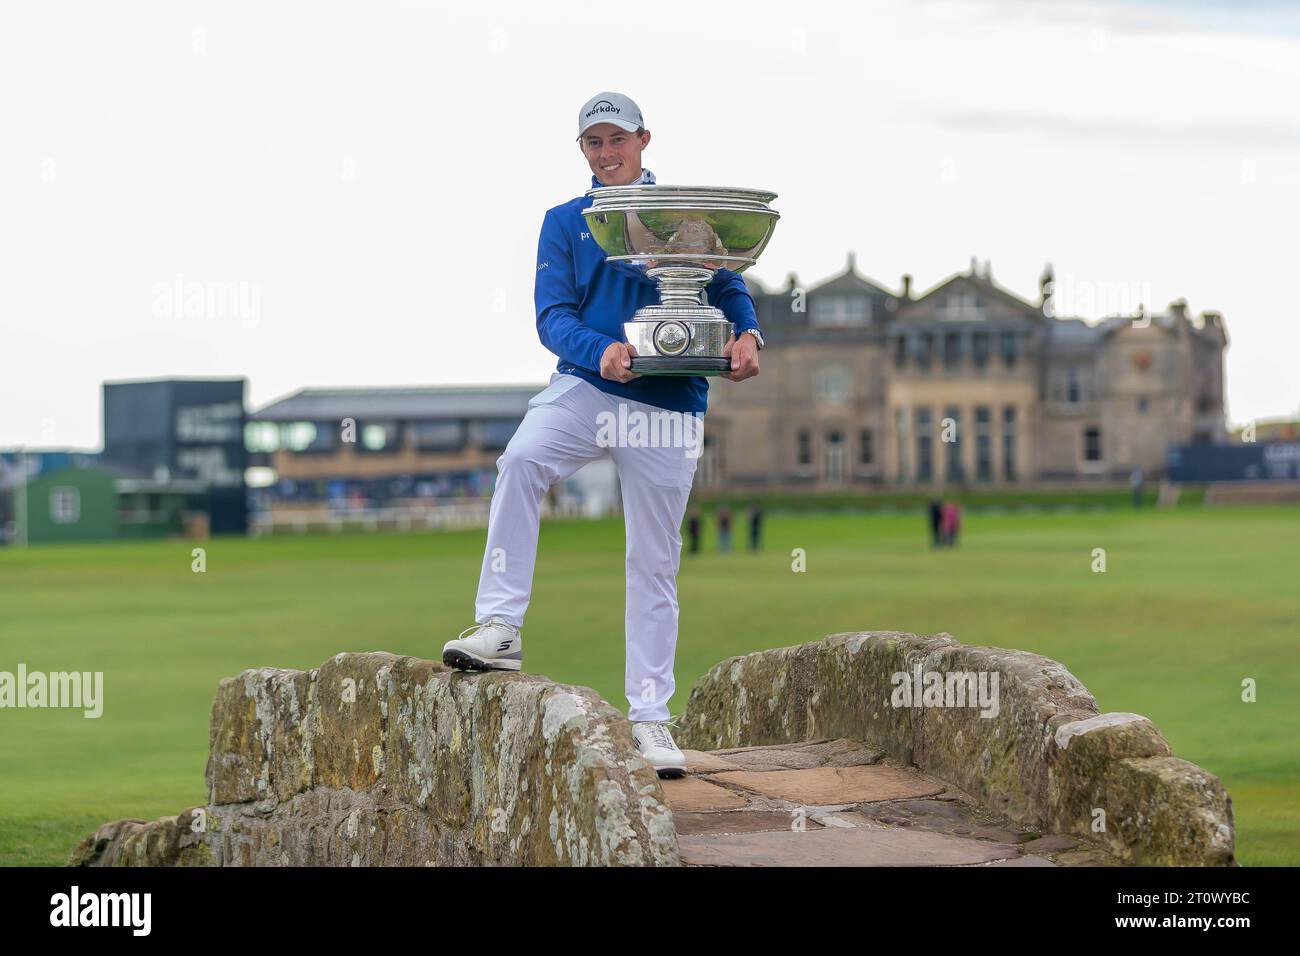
(858, 384)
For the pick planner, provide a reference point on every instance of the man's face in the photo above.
(613, 153)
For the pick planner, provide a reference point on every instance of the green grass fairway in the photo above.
(1192, 603)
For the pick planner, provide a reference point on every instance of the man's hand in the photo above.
(616, 363)
(744, 357)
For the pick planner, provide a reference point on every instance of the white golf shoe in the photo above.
(656, 744)
(491, 646)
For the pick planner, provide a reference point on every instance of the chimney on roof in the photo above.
(791, 282)
(974, 266)
(907, 286)
(852, 263)
(988, 270)
(1178, 309)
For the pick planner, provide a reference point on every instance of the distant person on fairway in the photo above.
(693, 530)
(755, 526)
(724, 529)
(936, 522)
(950, 523)
(582, 303)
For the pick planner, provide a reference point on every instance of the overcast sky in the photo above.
(370, 177)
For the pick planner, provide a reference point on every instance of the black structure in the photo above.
(1265, 461)
(184, 428)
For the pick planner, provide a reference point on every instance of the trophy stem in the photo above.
(681, 285)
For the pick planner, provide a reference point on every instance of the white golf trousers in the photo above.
(561, 432)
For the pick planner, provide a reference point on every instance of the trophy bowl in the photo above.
(679, 237)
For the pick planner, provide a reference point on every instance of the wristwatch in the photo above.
(756, 334)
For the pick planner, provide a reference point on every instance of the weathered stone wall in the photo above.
(1047, 758)
(375, 759)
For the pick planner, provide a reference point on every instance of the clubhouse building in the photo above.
(964, 385)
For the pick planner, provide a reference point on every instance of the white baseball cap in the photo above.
(610, 108)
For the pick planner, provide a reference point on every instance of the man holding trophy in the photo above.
(620, 272)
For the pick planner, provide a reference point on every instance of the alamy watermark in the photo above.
(83, 689)
(947, 689)
(634, 428)
(179, 299)
(75, 908)
(1082, 297)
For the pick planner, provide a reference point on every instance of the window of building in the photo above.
(900, 351)
(709, 472)
(900, 442)
(831, 385)
(493, 434)
(308, 437)
(952, 349)
(379, 437)
(953, 455)
(963, 305)
(924, 349)
(924, 446)
(840, 310)
(866, 451)
(834, 455)
(1072, 385)
(438, 435)
(1092, 444)
(1009, 347)
(1009, 443)
(980, 349)
(803, 452)
(262, 437)
(65, 504)
(983, 444)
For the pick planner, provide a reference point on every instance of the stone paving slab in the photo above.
(832, 803)
(697, 761)
(738, 821)
(833, 785)
(803, 756)
(943, 816)
(855, 846)
(1051, 844)
(695, 793)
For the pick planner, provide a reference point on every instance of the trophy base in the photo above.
(674, 365)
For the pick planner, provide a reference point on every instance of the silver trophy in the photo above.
(680, 236)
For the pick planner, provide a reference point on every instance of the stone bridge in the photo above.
(871, 748)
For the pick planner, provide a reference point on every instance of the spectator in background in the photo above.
(1135, 481)
(936, 522)
(724, 529)
(755, 526)
(693, 530)
(950, 523)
